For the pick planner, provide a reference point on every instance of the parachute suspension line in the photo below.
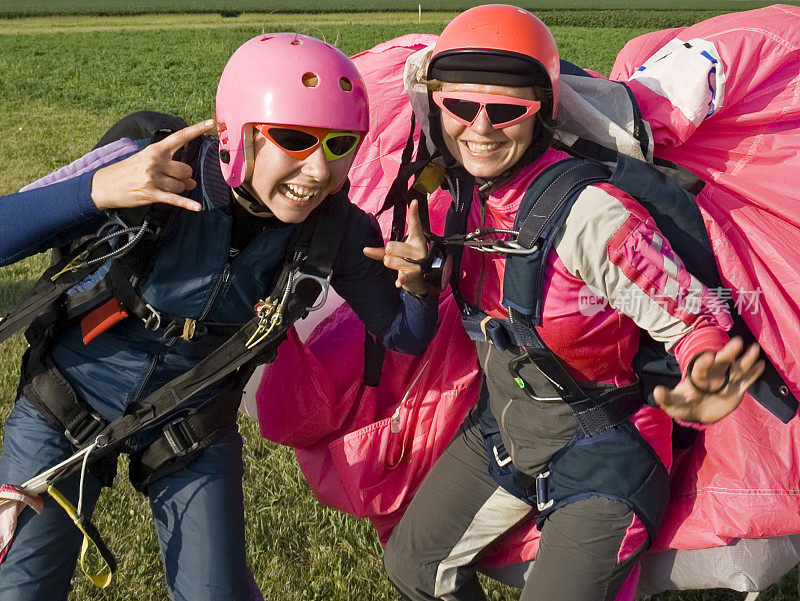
(102, 576)
(134, 234)
(91, 448)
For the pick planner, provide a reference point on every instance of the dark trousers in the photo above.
(586, 552)
(198, 514)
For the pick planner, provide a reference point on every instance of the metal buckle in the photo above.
(487, 240)
(541, 492)
(180, 441)
(90, 424)
(152, 321)
(269, 317)
(501, 462)
(324, 284)
(513, 368)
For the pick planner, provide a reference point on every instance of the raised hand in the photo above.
(707, 394)
(395, 254)
(150, 175)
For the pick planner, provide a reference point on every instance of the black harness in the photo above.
(184, 433)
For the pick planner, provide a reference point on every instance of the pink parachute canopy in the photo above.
(365, 450)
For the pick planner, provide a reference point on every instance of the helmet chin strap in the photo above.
(254, 204)
(245, 192)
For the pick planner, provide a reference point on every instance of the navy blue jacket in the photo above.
(196, 276)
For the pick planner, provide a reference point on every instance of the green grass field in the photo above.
(11, 8)
(62, 83)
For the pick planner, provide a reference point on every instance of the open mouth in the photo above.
(297, 193)
(480, 148)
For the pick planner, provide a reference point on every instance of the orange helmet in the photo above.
(497, 44)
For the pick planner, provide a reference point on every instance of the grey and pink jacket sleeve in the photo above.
(611, 243)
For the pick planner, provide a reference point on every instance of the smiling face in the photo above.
(484, 151)
(292, 188)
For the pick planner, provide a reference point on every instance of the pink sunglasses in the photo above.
(502, 111)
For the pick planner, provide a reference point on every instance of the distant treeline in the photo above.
(580, 13)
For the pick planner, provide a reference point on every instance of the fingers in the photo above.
(749, 358)
(415, 231)
(728, 353)
(176, 200)
(376, 253)
(176, 169)
(174, 142)
(689, 403)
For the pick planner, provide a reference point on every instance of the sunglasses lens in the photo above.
(463, 109)
(503, 113)
(341, 145)
(292, 139)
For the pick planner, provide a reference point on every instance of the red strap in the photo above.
(102, 318)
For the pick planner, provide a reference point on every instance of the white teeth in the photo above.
(299, 193)
(482, 146)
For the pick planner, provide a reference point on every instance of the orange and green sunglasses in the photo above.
(299, 141)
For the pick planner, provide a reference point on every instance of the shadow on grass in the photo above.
(12, 292)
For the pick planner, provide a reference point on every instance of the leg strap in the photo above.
(55, 399)
(184, 437)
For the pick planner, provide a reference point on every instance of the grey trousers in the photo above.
(459, 511)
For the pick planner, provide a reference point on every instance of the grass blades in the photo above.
(60, 91)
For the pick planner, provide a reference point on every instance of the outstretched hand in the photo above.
(710, 398)
(150, 176)
(395, 254)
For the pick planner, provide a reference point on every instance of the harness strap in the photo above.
(576, 177)
(56, 400)
(55, 281)
(184, 437)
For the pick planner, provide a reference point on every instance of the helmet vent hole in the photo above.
(310, 80)
(265, 38)
(296, 41)
(346, 84)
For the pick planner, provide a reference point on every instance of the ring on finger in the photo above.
(725, 380)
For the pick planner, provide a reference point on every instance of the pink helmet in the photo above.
(287, 79)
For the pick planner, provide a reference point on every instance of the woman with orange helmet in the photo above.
(560, 430)
(253, 207)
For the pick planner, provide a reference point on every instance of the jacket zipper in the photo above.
(483, 200)
(226, 272)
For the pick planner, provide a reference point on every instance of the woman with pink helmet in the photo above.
(262, 207)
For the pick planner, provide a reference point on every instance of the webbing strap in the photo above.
(56, 400)
(182, 438)
(102, 577)
(555, 195)
(56, 280)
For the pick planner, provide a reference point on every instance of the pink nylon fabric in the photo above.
(740, 480)
(366, 450)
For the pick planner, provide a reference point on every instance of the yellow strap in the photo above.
(188, 329)
(430, 178)
(101, 578)
(484, 321)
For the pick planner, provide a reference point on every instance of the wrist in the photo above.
(425, 293)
